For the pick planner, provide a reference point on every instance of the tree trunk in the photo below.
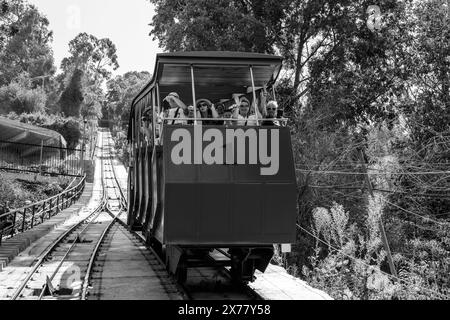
(298, 65)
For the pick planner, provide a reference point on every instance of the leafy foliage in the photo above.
(212, 25)
(121, 92)
(19, 96)
(24, 42)
(18, 189)
(95, 57)
(72, 97)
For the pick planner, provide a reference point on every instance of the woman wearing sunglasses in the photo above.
(207, 110)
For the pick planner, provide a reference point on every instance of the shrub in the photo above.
(19, 97)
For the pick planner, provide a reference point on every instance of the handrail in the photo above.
(38, 210)
(45, 200)
(282, 120)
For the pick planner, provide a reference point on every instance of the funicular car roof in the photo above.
(217, 73)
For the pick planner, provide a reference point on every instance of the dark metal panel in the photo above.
(215, 75)
(247, 213)
(181, 213)
(215, 222)
(280, 211)
(229, 204)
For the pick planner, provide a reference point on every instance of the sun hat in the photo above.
(203, 100)
(244, 99)
(174, 94)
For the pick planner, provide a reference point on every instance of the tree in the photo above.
(24, 42)
(72, 97)
(361, 76)
(211, 25)
(95, 57)
(121, 92)
(93, 102)
(89, 65)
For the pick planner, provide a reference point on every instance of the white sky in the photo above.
(126, 23)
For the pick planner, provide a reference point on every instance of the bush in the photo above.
(19, 97)
(17, 191)
(121, 146)
(353, 266)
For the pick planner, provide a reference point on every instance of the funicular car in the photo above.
(195, 189)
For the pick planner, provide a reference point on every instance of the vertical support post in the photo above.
(41, 158)
(158, 98)
(91, 140)
(24, 221)
(83, 146)
(33, 212)
(155, 114)
(43, 210)
(380, 221)
(193, 94)
(57, 205)
(255, 106)
(158, 112)
(14, 224)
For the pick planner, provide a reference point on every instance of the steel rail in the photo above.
(50, 249)
(96, 212)
(87, 277)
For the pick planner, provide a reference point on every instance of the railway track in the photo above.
(79, 262)
(120, 250)
(98, 258)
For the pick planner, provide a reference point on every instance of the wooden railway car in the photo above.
(197, 188)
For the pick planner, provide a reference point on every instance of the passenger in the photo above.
(207, 110)
(242, 114)
(220, 109)
(228, 114)
(191, 115)
(271, 113)
(178, 110)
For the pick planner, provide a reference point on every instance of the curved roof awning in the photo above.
(24, 136)
(218, 74)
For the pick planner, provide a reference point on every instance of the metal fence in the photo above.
(23, 219)
(50, 160)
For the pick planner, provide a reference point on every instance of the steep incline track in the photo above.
(97, 258)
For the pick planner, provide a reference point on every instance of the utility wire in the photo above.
(372, 173)
(411, 195)
(416, 214)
